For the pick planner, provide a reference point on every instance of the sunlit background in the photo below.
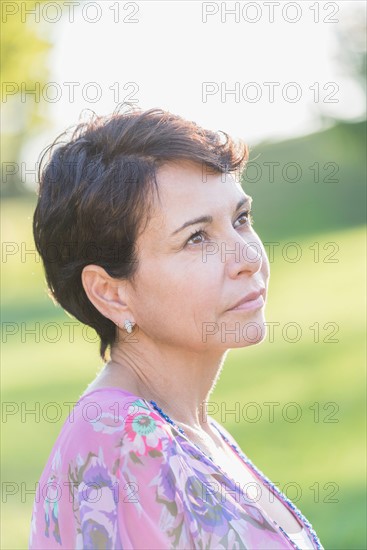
(288, 78)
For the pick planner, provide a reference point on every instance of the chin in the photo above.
(242, 334)
(251, 339)
(252, 332)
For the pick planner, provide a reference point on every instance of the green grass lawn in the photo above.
(318, 460)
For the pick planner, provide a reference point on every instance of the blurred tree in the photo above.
(327, 188)
(25, 45)
(350, 52)
(351, 36)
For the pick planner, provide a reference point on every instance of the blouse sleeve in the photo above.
(110, 482)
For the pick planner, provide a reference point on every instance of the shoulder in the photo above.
(117, 421)
(113, 451)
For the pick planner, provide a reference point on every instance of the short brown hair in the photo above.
(95, 191)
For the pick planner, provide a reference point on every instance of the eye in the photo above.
(248, 216)
(248, 221)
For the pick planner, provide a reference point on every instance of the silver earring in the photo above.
(128, 326)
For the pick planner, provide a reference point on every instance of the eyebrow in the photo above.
(209, 219)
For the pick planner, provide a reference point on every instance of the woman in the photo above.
(146, 236)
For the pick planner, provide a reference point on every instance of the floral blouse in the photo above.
(122, 477)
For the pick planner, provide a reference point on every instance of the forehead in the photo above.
(186, 191)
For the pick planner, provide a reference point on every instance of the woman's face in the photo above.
(185, 287)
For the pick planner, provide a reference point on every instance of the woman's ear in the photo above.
(107, 294)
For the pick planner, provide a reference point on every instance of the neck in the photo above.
(180, 382)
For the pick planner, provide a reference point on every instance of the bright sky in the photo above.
(166, 57)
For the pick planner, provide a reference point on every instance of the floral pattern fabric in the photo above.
(121, 477)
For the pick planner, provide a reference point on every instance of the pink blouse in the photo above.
(121, 477)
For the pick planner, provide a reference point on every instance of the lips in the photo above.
(251, 296)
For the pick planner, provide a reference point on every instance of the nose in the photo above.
(242, 255)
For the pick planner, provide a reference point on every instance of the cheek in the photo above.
(177, 316)
(160, 291)
(172, 294)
